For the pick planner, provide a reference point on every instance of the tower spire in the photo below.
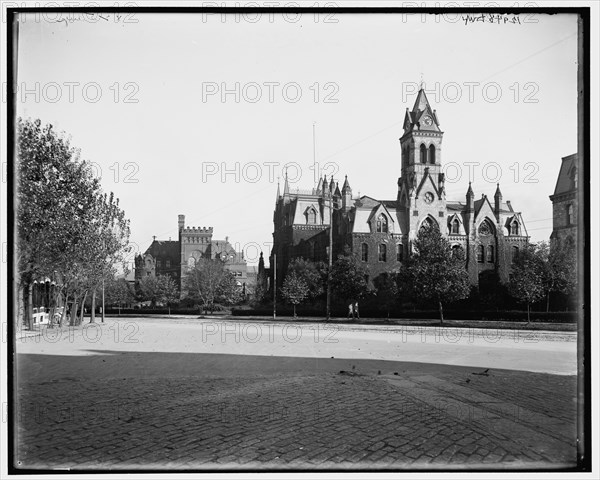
(497, 201)
(470, 191)
(286, 185)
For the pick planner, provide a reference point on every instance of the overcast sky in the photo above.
(147, 106)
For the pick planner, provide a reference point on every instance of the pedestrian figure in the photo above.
(351, 310)
(355, 308)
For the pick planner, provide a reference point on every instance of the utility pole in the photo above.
(331, 210)
(274, 285)
(315, 176)
(330, 256)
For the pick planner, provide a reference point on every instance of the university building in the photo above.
(381, 232)
(176, 257)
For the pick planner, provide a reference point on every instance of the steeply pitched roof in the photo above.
(565, 182)
(164, 248)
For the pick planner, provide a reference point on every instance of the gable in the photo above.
(302, 206)
(427, 180)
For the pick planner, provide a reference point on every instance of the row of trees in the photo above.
(434, 273)
(158, 290)
(68, 230)
(208, 284)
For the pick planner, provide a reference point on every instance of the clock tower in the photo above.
(421, 193)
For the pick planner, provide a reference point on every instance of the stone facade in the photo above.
(176, 257)
(565, 205)
(381, 232)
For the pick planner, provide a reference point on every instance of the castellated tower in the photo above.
(195, 243)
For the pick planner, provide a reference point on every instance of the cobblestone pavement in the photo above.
(347, 416)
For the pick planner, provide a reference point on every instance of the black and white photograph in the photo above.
(316, 238)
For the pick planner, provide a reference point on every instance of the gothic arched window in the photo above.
(399, 252)
(423, 150)
(311, 216)
(382, 224)
(485, 228)
(432, 154)
(515, 254)
(382, 250)
(570, 214)
(428, 223)
(514, 228)
(480, 254)
(455, 226)
(364, 252)
(490, 254)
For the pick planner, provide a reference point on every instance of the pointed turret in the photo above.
(497, 201)
(346, 185)
(319, 186)
(346, 195)
(278, 193)
(337, 192)
(331, 185)
(325, 186)
(261, 264)
(286, 185)
(470, 198)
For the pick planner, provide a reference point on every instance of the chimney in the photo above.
(181, 222)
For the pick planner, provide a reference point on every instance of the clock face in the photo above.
(427, 120)
(429, 197)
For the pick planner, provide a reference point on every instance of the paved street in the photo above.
(185, 393)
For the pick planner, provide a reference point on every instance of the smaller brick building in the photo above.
(176, 257)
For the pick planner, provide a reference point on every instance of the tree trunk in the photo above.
(528, 319)
(169, 309)
(103, 306)
(294, 310)
(63, 317)
(93, 312)
(441, 312)
(73, 319)
(548, 301)
(82, 308)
